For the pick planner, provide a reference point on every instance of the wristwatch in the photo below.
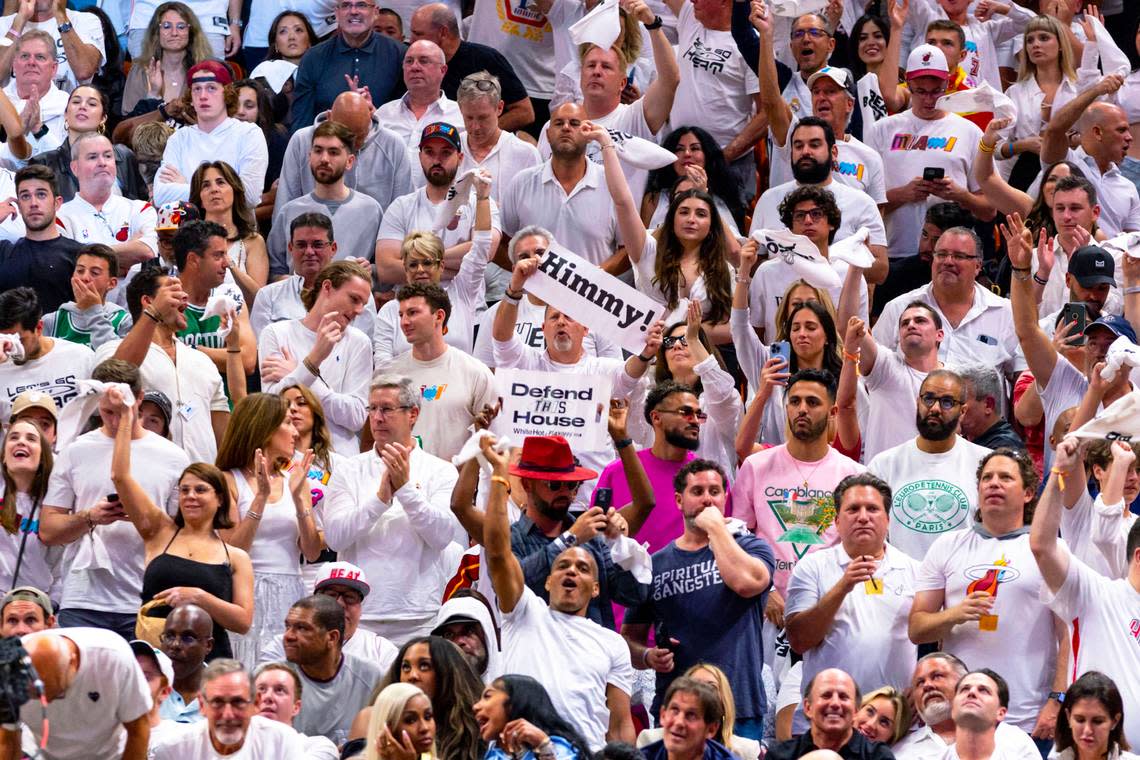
(569, 539)
(1057, 695)
(655, 23)
(66, 27)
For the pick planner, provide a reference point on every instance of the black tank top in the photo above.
(168, 571)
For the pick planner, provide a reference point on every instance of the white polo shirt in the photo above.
(984, 336)
(582, 220)
(415, 211)
(868, 637)
(508, 157)
(118, 221)
(1117, 195)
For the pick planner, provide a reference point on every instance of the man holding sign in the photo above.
(564, 352)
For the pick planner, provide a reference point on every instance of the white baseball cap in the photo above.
(165, 666)
(927, 61)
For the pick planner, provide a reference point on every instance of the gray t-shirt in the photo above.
(356, 222)
(328, 707)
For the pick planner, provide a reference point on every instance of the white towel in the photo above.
(794, 8)
(10, 347)
(854, 250)
(632, 557)
(801, 254)
(980, 99)
(1120, 421)
(221, 305)
(472, 449)
(639, 152)
(1121, 352)
(601, 26)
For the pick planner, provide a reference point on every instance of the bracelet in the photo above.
(1060, 476)
(152, 315)
(645, 657)
(87, 517)
(516, 297)
(611, 146)
(254, 515)
(1007, 149)
(852, 357)
(744, 280)
(1021, 275)
(1132, 290)
(545, 751)
(233, 350)
(1037, 279)
(655, 23)
(645, 359)
(313, 369)
(621, 444)
(162, 111)
(985, 148)
(12, 34)
(501, 481)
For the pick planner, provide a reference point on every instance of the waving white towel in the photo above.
(600, 27)
(801, 254)
(1121, 352)
(472, 449)
(639, 152)
(854, 250)
(1120, 421)
(10, 347)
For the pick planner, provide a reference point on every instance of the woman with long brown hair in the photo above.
(270, 508)
(187, 560)
(173, 42)
(218, 190)
(26, 463)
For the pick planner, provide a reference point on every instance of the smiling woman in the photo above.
(26, 464)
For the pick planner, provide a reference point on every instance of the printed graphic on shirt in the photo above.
(987, 578)
(685, 579)
(930, 506)
(65, 329)
(703, 56)
(521, 21)
(803, 513)
(849, 169)
(61, 389)
(875, 102)
(1134, 629)
(432, 392)
(904, 141)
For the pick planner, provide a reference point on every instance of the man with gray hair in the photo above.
(531, 242)
(933, 686)
(424, 66)
(982, 420)
(977, 324)
(232, 725)
(486, 144)
(388, 511)
(438, 22)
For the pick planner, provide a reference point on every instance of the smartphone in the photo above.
(932, 173)
(1076, 311)
(783, 350)
(113, 497)
(604, 498)
(663, 640)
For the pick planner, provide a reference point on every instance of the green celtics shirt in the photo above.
(90, 327)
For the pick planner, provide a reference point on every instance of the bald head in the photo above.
(567, 141)
(187, 637)
(56, 659)
(424, 66)
(355, 112)
(436, 22)
(190, 617)
(1105, 133)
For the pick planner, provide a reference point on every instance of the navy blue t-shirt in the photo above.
(712, 622)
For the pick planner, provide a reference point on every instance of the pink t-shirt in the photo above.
(789, 503)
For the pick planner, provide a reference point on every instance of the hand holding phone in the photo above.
(782, 349)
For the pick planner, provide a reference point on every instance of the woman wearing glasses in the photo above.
(187, 559)
(422, 255)
(687, 356)
(172, 43)
(270, 511)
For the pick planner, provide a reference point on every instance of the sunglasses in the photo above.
(672, 340)
(558, 485)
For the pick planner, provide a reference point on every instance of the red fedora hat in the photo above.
(548, 457)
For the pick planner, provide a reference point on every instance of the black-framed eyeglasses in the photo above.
(185, 639)
(558, 485)
(348, 596)
(946, 403)
(385, 411)
(814, 32)
(815, 214)
(687, 412)
(671, 340)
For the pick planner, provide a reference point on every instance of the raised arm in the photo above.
(1055, 137)
(642, 498)
(630, 227)
(1004, 197)
(779, 113)
(895, 95)
(743, 573)
(506, 572)
(147, 518)
(658, 99)
(847, 430)
(1039, 352)
(1053, 558)
(503, 326)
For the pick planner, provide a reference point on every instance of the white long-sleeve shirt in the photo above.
(238, 143)
(409, 547)
(342, 387)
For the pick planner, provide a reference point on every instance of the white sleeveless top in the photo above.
(275, 548)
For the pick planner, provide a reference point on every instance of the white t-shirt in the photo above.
(856, 208)
(87, 26)
(984, 336)
(56, 373)
(892, 392)
(522, 34)
(716, 86)
(923, 744)
(454, 387)
(342, 387)
(321, 14)
(856, 166)
(574, 657)
(1077, 530)
(81, 477)
(933, 494)
(108, 691)
(868, 637)
(1065, 389)
(1023, 648)
(281, 300)
(396, 116)
(582, 220)
(771, 282)
(53, 103)
(364, 645)
(119, 221)
(644, 272)
(908, 145)
(194, 388)
(264, 738)
(41, 563)
(1107, 612)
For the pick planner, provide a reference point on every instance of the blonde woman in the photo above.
(172, 43)
(402, 725)
(884, 715)
(745, 749)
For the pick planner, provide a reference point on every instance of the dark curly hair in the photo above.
(821, 197)
(721, 184)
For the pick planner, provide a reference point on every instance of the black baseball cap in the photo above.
(1091, 265)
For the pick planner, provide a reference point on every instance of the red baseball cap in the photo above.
(209, 71)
